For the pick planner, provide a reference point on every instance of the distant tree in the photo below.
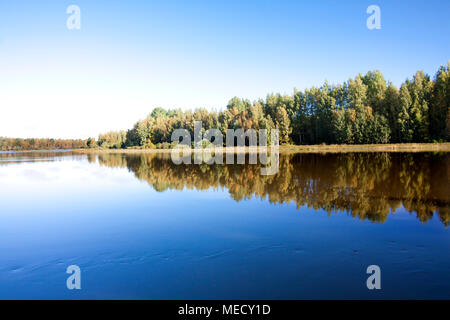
(112, 139)
(376, 90)
(391, 111)
(158, 113)
(440, 105)
(420, 89)
(405, 128)
(91, 143)
(283, 124)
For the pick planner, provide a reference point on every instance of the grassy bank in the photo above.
(399, 147)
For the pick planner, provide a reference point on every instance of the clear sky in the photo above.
(131, 56)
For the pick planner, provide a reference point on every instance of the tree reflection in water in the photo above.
(365, 185)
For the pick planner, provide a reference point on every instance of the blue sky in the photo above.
(131, 56)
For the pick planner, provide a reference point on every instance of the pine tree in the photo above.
(440, 104)
(403, 120)
(284, 125)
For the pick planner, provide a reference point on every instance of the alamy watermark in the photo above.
(74, 20)
(374, 20)
(374, 281)
(208, 147)
(74, 280)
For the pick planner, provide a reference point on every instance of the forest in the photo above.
(363, 110)
(17, 144)
(366, 109)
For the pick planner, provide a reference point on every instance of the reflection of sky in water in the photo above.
(134, 242)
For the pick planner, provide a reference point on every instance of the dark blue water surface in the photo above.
(141, 227)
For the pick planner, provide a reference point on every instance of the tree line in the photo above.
(364, 110)
(18, 144)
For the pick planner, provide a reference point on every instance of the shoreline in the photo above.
(400, 147)
(332, 148)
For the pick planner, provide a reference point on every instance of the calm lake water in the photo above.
(142, 227)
